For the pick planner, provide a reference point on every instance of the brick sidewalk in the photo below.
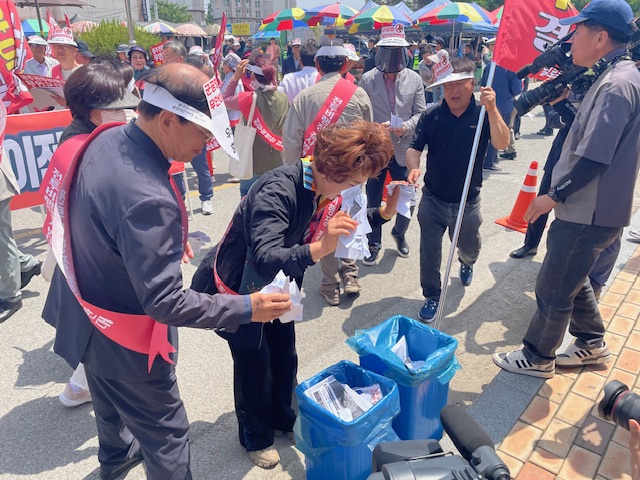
(560, 434)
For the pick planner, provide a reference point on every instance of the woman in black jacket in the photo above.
(285, 223)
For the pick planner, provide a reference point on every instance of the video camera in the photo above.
(580, 79)
(425, 459)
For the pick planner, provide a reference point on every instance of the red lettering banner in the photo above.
(157, 54)
(527, 28)
(30, 141)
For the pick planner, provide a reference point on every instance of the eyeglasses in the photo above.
(207, 134)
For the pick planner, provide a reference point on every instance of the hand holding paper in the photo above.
(406, 199)
(355, 246)
(282, 284)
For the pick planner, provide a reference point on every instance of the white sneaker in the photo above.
(73, 396)
(266, 458)
(207, 208)
(516, 362)
(574, 356)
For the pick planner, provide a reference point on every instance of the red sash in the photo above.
(273, 140)
(319, 222)
(56, 72)
(139, 333)
(329, 113)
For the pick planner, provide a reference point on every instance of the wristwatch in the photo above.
(553, 193)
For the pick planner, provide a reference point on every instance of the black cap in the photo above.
(83, 49)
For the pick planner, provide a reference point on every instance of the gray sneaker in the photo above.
(207, 208)
(332, 296)
(516, 362)
(575, 356)
(351, 285)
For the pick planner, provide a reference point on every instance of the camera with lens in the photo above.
(619, 404)
(580, 79)
(425, 459)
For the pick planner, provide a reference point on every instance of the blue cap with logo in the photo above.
(616, 14)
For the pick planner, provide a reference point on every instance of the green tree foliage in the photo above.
(209, 16)
(173, 12)
(104, 39)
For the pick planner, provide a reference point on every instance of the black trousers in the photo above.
(264, 375)
(152, 413)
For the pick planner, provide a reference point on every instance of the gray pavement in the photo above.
(42, 439)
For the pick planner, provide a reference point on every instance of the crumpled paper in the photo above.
(356, 245)
(282, 284)
(407, 197)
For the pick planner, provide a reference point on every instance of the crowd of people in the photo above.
(325, 128)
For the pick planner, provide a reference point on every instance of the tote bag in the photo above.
(244, 136)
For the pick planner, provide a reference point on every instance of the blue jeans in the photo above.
(201, 167)
(245, 185)
(563, 292)
(375, 188)
(492, 154)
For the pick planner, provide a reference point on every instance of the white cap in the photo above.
(452, 77)
(37, 40)
(393, 36)
(296, 41)
(63, 36)
(351, 52)
(197, 50)
(331, 48)
(439, 56)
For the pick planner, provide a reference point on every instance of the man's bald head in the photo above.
(183, 81)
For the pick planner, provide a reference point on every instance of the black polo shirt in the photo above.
(450, 139)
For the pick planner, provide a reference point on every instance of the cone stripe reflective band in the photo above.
(516, 221)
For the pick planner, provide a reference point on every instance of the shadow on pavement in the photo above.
(41, 366)
(37, 437)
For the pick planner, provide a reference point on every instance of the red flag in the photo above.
(66, 19)
(53, 25)
(14, 55)
(217, 51)
(526, 28)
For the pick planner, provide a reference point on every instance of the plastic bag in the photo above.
(437, 349)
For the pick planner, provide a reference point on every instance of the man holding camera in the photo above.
(592, 192)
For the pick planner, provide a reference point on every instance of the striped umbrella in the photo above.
(377, 17)
(286, 15)
(334, 15)
(498, 14)
(458, 12)
(282, 25)
(159, 27)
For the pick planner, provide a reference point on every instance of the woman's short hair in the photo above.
(268, 76)
(91, 87)
(343, 151)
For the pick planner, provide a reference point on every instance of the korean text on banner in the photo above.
(240, 29)
(527, 28)
(30, 142)
(220, 118)
(157, 54)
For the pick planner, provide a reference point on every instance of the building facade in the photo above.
(248, 11)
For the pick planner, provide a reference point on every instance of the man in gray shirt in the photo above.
(592, 192)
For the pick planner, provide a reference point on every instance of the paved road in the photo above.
(42, 439)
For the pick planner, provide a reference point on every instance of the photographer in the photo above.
(591, 190)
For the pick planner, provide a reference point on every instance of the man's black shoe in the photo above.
(510, 156)
(545, 132)
(111, 473)
(493, 168)
(25, 277)
(9, 308)
(523, 252)
(371, 259)
(466, 274)
(402, 245)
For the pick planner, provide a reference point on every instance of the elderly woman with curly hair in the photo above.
(282, 225)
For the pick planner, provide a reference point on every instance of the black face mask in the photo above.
(391, 59)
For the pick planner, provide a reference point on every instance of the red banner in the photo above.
(527, 28)
(13, 55)
(157, 54)
(30, 141)
(217, 51)
(53, 25)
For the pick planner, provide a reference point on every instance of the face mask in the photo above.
(391, 59)
(110, 116)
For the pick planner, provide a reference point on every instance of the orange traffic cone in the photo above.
(516, 221)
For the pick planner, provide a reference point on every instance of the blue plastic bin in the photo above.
(423, 392)
(339, 450)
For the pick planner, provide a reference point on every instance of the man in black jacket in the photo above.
(292, 63)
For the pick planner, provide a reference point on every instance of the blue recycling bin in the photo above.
(339, 450)
(424, 391)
